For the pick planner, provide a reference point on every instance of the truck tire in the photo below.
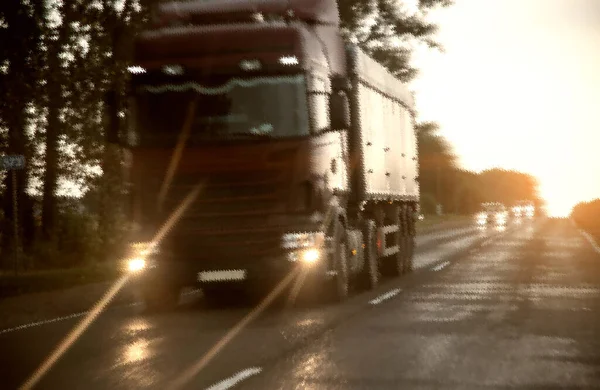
(396, 263)
(160, 297)
(410, 242)
(370, 275)
(341, 282)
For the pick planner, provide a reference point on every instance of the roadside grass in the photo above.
(27, 282)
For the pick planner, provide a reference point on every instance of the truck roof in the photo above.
(316, 11)
(377, 76)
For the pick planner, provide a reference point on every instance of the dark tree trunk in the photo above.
(51, 158)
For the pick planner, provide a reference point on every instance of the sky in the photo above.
(518, 87)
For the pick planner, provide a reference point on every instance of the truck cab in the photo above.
(245, 134)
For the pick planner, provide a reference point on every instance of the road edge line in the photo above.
(588, 237)
(233, 380)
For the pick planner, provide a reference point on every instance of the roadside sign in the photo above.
(10, 162)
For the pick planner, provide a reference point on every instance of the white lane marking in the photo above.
(237, 378)
(428, 258)
(441, 266)
(431, 237)
(44, 322)
(74, 315)
(589, 237)
(385, 296)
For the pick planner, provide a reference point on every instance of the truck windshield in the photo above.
(268, 107)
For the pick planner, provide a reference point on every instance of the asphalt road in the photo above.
(485, 309)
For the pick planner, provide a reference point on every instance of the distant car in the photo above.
(524, 209)
(492, 214)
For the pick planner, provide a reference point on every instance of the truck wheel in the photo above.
(159, 298)
(410, 255)
(410, 244)
(398, 260)
(369, 276)
(340, 264)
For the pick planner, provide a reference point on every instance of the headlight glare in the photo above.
(310, 255)
(136, 264)
(302, 240)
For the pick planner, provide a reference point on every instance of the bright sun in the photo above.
(557, 205)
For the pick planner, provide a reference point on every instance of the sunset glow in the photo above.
(518, 88)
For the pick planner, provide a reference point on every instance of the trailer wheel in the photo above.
(341, 288)
(369, 276)
(397, 261)
(410, 243)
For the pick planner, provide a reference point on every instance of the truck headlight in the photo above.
(137, 260)
(136, 264)
(302, 240)
(310, 255)
(306, 256)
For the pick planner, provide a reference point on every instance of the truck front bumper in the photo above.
(298, 253)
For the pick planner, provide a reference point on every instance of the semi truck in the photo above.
(287, 148)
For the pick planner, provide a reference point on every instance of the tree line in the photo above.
(587, 216)
(58, 59)
(460, 191)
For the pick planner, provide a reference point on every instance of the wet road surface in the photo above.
(484, 310)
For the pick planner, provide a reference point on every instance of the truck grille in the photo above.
(228, 217)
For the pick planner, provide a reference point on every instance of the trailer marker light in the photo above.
(173, 70)
(258, 17)
(288, 60)
(250, 65)
(136, 70)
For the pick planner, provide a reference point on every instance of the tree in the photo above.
(509, 186)
(20, 36)
(388, 32)
(437, 163)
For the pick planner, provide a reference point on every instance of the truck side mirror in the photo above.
(339, 110)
